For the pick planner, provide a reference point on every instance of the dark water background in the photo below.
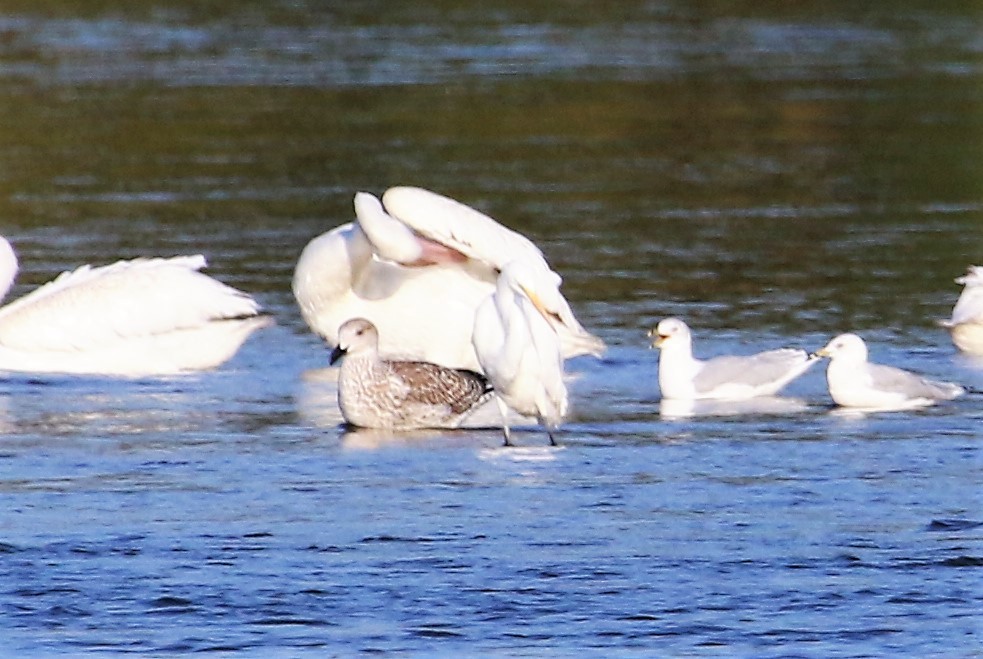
(775, 173)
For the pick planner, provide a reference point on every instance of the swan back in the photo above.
(92, 307)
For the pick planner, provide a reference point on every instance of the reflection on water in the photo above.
(774, 174)
(669, 408)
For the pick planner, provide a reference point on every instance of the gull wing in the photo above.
(911, 385)
(762, 369)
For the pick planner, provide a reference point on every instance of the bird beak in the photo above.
(658, 340)
(819, 354)
(337, 354)
(547, 315)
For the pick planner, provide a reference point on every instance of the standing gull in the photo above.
(730, 377)
(417, 265)
(518, 346)
(855, 382)
(132, 318)
(966, 323)
(400, 395)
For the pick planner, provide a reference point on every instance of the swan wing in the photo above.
(90, 307)
(458, 226)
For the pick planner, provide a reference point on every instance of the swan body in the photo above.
(517, 345)
(966, 324)
(855, 382)
(131, 318)
(400, 395)
(729, 377)
(416, 265)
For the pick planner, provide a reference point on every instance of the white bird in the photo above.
(729, 377)
(131, 318)
(516, 340)
(417, 269)
(855, 382)
(966, 323)
(400, 395)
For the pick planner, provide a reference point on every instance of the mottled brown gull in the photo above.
(374, 392)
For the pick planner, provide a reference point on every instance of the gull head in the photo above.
(669, 331)
(849, 347)
(355, 336)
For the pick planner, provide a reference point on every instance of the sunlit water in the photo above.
(773, 178)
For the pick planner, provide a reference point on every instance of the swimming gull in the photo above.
(966, 324)
(729, 377)
(855, 382)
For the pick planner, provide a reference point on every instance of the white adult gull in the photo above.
(132, 318)
(400, 395)
(518, 345)
(417, 269)
(728, 377)
(855, 382)
(966, 324)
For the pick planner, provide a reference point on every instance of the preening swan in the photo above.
(417, 269)
(516, 340)
(728, 377)
(140, 317)
(966, 323)
(855, 382)
(400, 395)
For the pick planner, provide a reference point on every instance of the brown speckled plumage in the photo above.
(400, 395)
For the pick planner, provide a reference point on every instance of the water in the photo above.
(773, 174)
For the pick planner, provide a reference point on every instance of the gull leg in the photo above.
(549, 431)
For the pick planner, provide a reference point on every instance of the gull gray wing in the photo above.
(753, 370)
(911, 385)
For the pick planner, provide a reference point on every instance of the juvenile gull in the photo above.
(966, 323)
(855, 382)
(730, 377)
(400, 395)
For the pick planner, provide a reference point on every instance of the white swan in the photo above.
(417, 269)
(517, 344)
(131, 318)
(966, 323)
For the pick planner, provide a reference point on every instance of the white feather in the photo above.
(418, 273)
(138, 317)
(519, 350)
